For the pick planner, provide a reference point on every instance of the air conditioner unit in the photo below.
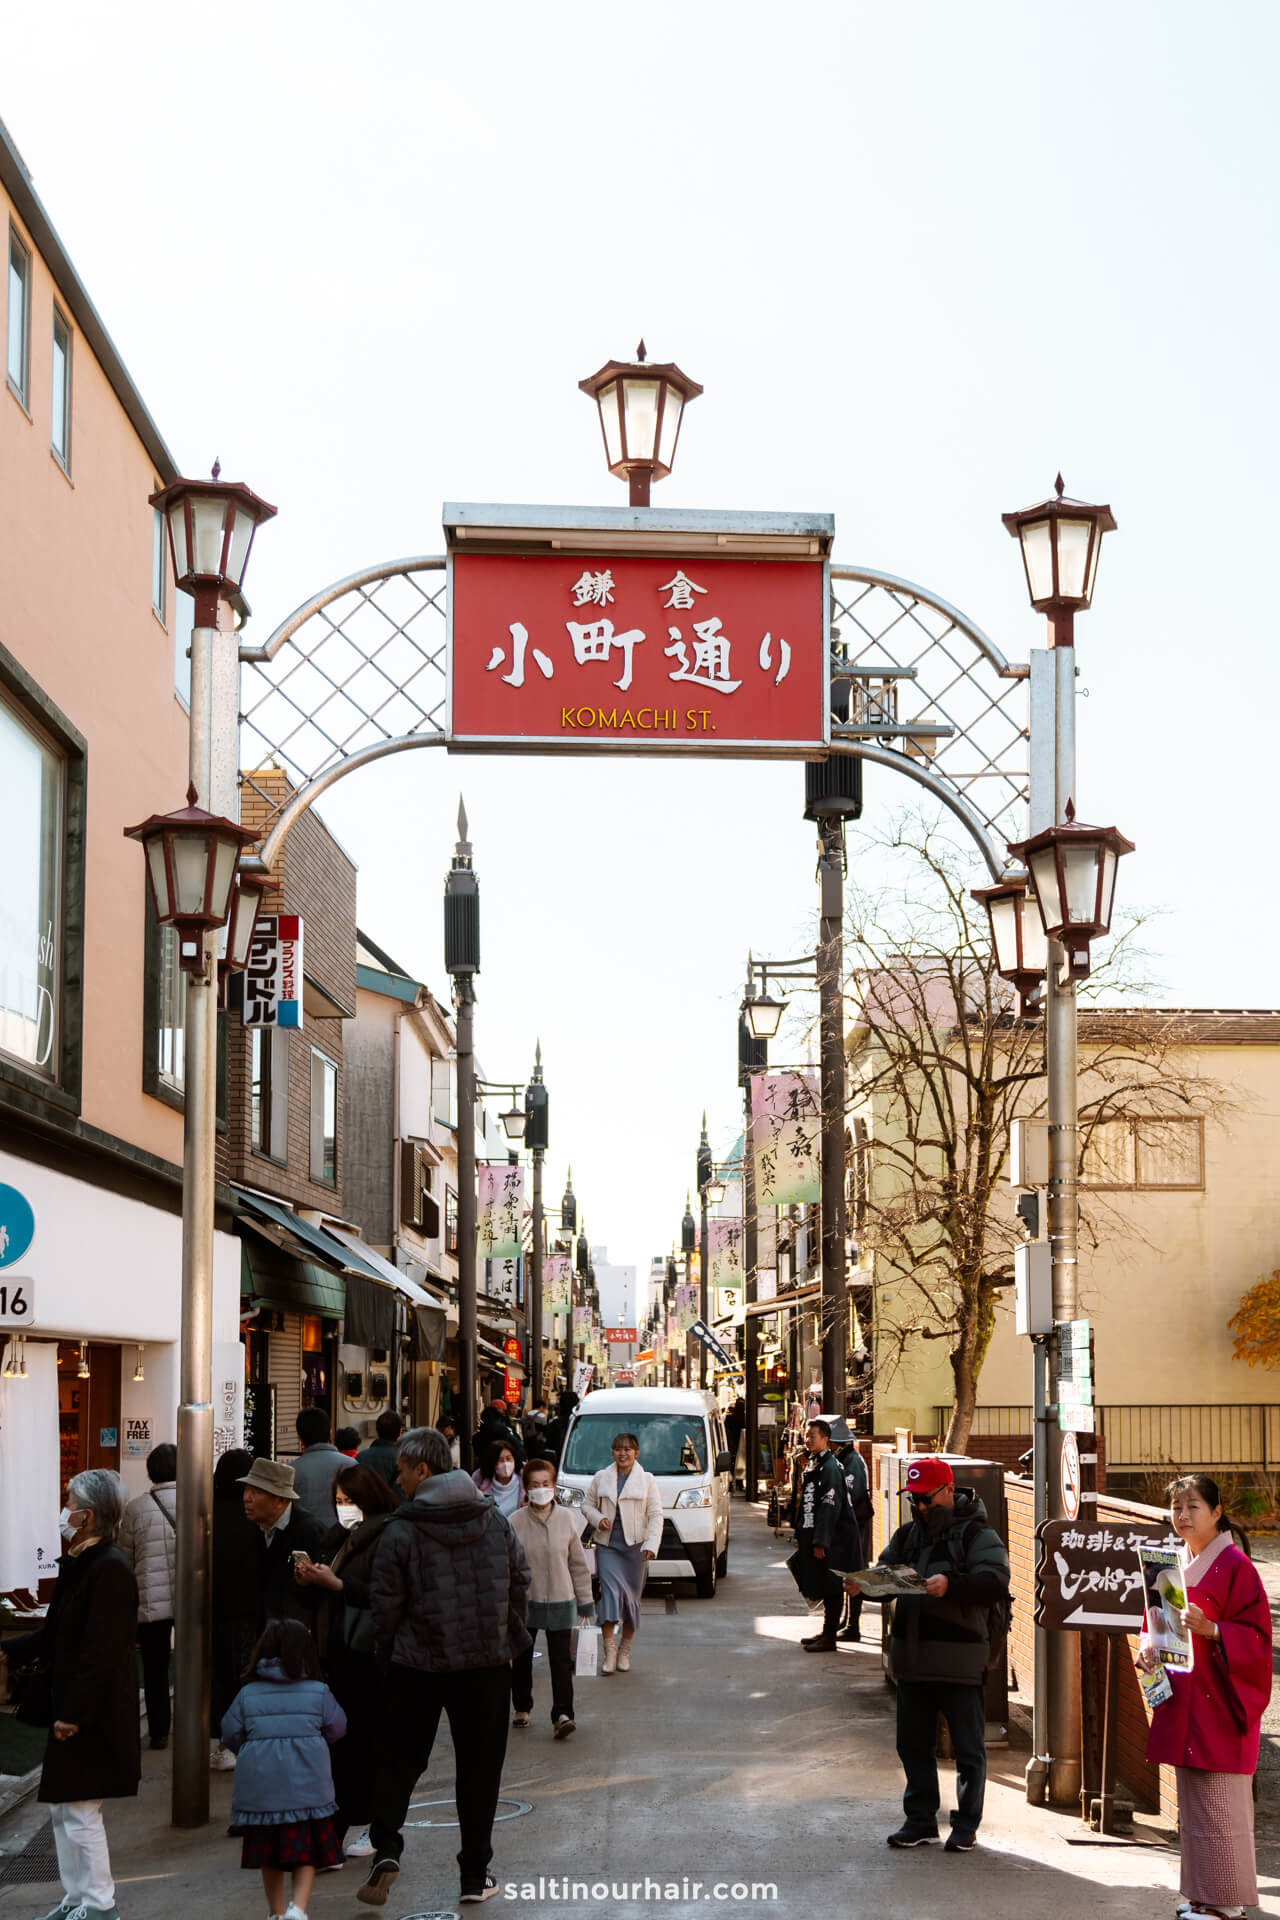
(378, 1387)
(379, 1357)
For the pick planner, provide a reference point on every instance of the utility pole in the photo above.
(462, 963)
(537, 1139)
(706, 1169)
(835, 1306)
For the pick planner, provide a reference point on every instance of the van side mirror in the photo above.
(724, 1462)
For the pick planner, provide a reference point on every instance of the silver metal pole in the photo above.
(533, 1316)
(835, 1299)
(704, 1263)
(1037, 1768)
(193, 1598)
(466, 1215)
(1063, 1209)
(751, 1255)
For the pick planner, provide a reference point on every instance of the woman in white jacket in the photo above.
(624, 1506)
(148, 1541)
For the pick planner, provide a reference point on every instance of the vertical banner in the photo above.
(724, 1252)
(500, 1212)
(786, 1129)
(273, 978)
(557, 1269)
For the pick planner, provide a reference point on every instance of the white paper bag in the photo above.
(587, 1664)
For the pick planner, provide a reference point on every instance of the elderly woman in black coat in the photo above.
(86, 1649)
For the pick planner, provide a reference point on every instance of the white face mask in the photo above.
(65, 1527)
(541, 1496)
(504, 1469)
(349, 1516)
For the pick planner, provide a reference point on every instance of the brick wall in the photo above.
(1008, 1449)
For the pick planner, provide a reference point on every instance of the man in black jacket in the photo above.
(939, 1645)
(450, 1594)
(824, 1528)
(285, 1528)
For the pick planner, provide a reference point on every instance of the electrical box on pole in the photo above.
(1033, 1288)
(1028, 1153)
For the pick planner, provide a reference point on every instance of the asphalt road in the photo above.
(726, 1757)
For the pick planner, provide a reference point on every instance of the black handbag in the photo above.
(35, 1696)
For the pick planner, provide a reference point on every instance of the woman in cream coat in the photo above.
(625, 1508)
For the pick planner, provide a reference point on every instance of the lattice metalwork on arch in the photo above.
(361, 670)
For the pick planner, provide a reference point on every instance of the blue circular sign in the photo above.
(17, 1225)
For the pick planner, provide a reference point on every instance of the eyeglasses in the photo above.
(925, 1499)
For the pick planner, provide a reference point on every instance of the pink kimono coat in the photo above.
(1214, 1717)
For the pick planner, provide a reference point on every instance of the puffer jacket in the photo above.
(282, 1730)
(947, 1639)
(149, 1542)
(450, 1583)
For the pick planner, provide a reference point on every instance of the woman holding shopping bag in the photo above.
(560, 1593)
(1208, 1727)
(624, 1507)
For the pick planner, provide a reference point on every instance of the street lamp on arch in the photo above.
(641, 404)
(192, 857)
(1060, 541)
(1018, 937)
(211, 527)
(1073, 873)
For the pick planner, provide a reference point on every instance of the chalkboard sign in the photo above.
(260, 1419)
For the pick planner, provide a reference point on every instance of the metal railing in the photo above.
(1235, 1436)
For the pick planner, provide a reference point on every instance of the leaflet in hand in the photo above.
(1162, 1577)
(885, 1582)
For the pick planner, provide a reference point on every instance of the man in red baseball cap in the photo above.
(939, 1645)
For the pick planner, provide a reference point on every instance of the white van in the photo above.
(682, 1444)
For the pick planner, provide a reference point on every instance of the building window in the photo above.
(32, 806)
(324, 1120)
(171, 1012)
(450, 1220)
(159, 565)
(19, 334)
(269, 1093)
(60, 402)
(1146, 1151)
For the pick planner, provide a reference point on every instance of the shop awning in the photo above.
(494, 1353)
(317, 1239)
(782, 1302)
(271, 1276)
(383, 1270)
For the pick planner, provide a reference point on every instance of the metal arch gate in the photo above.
(361, 671)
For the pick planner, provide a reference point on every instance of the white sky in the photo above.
(920, 257)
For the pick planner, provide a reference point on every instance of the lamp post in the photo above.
(705, 1175)
(1060, 541)
(641, 405)
(462, 963)
(537, 1138)
(689, 1229)
(754, 1034)
(211, 529)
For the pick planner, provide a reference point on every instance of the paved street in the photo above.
(726, 1755)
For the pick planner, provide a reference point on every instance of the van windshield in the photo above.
(669, 1442)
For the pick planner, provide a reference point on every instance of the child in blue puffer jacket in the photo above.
(282, 1723)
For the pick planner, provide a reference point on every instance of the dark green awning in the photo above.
(273, 1278)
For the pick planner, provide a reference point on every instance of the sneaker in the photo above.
(221, 1760)
(294, 1912)
(374, 1891)
(485, 1891)
(958, 1841)
(67, 1905)
(565, 1726)
(520, 1719)
(361, 1848)
(909, 1836)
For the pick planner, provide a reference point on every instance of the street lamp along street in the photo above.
(1060, 540)
(192, 856)
(246, 904)
(641, 406)
(211, 527)
(1018, 937)
(763, 1015)
(1073, 874)
(513, 1123)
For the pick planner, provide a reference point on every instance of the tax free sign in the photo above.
(636, 631)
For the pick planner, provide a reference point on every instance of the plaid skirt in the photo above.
(295, 1843)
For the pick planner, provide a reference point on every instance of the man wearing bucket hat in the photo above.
(285, 1528)
(939, 1645)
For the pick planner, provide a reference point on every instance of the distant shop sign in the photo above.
(273, 977)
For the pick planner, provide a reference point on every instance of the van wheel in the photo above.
(705, 1577)
(722, 1562)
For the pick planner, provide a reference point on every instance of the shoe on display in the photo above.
(361, 1848)
(958, 1841)
(565, 1726)
(472, 1894)
(909, 1836)
(381, 1875)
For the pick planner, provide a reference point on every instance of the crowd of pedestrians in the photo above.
(357, 1600)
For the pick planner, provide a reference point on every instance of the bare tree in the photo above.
(944, 1063)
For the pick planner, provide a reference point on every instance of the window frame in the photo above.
(321, 1178)
(274, 1109)
(20, 391)
(1134, 1123)
(160, 572)
(62, 454)
(154, 1083)
(61, 1089)
(450, 1220)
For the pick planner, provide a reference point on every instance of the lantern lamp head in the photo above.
(1060, 541)
(211, 527)
(192, 858)
(641, 404)
(1073, 873)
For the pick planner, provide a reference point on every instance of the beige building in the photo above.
(93, 737)
(1180, 1209)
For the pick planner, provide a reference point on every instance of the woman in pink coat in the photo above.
(1209, 1729)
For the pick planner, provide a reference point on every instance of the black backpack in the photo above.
(1000, 1612)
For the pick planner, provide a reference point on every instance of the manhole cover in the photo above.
(436, 1913)
(507, 1810)
(37, 1862)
